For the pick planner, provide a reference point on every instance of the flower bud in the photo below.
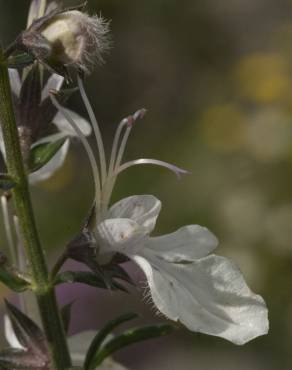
(69, 38)
(76, 39)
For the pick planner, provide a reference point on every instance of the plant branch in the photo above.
(41, 284)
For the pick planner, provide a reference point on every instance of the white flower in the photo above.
(64, 130)
(78, 346)
(205, 292)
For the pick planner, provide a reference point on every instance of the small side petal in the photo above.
(120, 235)
(208, 296)
(143, 209)
(52, 166)
(186, 244)
(62, 124)
(54, 82)
(2, 146)
(10, 335)
(15, 81)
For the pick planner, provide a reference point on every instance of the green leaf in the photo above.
(42, 153)
(6, 182)
(127, 338)
(66, 316)
(101, 336)
(20, 60)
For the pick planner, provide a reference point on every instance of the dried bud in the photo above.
(69, 38)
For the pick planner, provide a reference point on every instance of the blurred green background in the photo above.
(216, 77)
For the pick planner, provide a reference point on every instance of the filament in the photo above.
(117, 154)
(96, 129)
(86, 145)
(176, 170)
(115, 145)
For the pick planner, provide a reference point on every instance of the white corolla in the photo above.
(205, 292)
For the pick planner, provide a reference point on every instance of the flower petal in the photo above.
(10, 335)
(15, 82)
(62, 124)
(143, 209)
(208, 296)
(79, 344)
(54, 82)
(120, 235)
(52, 166)
(186, 244)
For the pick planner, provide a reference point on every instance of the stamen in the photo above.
(176, 170)
(96, 129)
(122, 124)
(85, 143)
(117, 155)
(8, 230)
(130, 121)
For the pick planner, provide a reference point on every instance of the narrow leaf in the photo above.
(101, 336)
(66, 316)
(27, 332)
(127, 338)
(6, 182)
(42, 153)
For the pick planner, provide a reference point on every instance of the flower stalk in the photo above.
(41, 284)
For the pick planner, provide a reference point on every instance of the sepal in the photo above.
(26, 331)
(20, 60)
(19, 359)
(81, 249)
(31, 350)
(11, 277)
(87, 278)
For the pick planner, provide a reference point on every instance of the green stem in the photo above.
(43, 289)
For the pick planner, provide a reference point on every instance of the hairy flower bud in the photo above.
(69, 38)
(76, 39)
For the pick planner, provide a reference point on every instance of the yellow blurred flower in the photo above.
(263, 77)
